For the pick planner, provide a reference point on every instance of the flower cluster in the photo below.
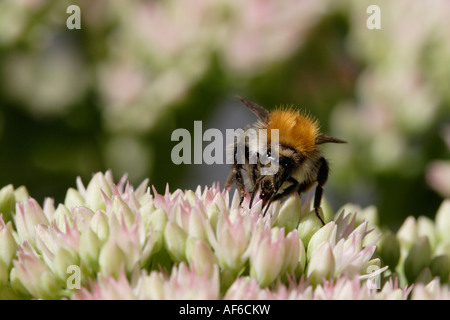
(165, 49)
(420, 250)
(438, 171)
(111, 241)
(400, 95)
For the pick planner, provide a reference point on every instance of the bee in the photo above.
(300, 161)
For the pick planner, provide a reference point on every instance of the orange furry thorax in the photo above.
(297, 129)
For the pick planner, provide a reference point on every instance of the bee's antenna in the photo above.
(261, 112)
(322, 138)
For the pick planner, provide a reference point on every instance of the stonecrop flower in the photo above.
(420, 250)
(112, 241)
(182, 284)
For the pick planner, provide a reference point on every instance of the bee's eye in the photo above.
(284, 163)
(269, 153)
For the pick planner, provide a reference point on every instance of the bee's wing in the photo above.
(261, 112)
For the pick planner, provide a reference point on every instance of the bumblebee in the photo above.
(299, 159)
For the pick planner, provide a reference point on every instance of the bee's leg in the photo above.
(322, 177)
(256, 186)
(234, 170)
(241, 188)
(295, 187)
(239, 182)
(292, 188)
(254, 174)
(268, 205)
(272, 199)
(236, 175)
(255, 179)
(252, 196)
(231, 178)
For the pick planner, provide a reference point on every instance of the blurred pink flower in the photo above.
(32, 276)
(438, 177)
(29, 215)
(342, 288)
(107, 288)
(272, 253)
(183, 283)
(434, 290)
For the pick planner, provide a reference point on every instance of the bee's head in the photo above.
(270, 184)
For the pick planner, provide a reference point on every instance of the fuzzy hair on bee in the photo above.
(299, 159)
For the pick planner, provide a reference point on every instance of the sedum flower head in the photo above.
(434, 290)
(183, 283)
(8, 245)
(114, 241)
(271, 253)
(342, 288)
(32, 276)
(7, 202)
(420, 250)
(28, 216)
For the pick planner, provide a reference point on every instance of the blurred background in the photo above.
(73, 102)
